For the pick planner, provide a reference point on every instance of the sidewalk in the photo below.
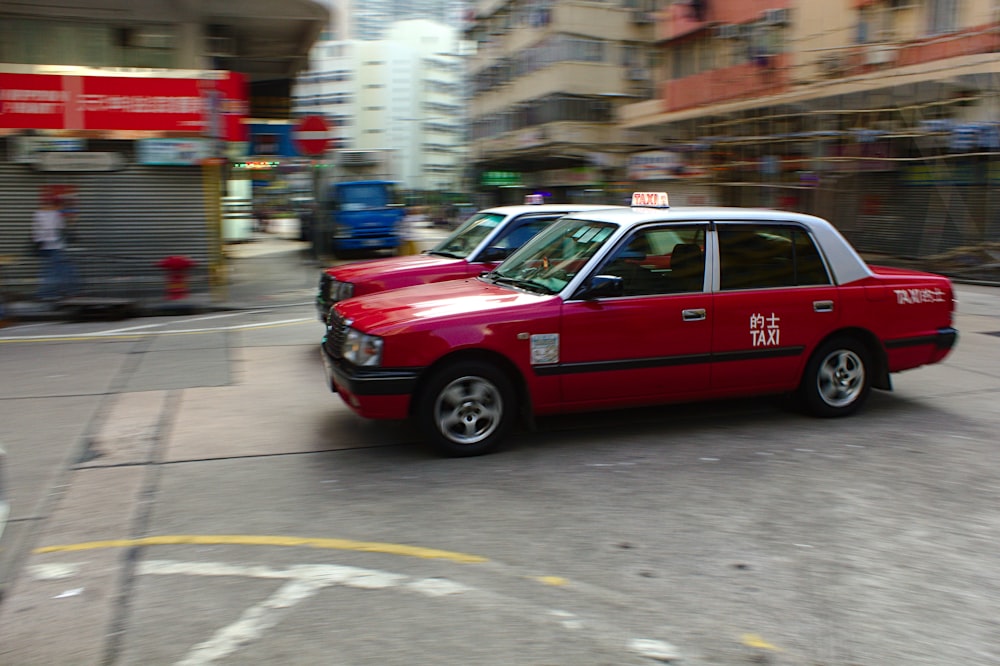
(270, 270)
(267, 271)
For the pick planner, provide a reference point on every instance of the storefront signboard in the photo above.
(172, 152)
(82, 161)
(654, 165)
(25, 149)
(501, 179)
(123, 103)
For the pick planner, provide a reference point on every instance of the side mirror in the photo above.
(494, 254)
(602, 286)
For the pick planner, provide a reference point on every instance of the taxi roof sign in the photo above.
(650, 199)
(533, 199)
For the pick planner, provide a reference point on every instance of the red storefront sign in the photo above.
(207, 106)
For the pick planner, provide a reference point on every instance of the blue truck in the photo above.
(362, 217)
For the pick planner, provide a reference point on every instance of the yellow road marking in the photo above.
(256, 540)
(555, 581)
(755, 641)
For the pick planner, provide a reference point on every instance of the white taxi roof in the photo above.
(521, 209)
(846, 264)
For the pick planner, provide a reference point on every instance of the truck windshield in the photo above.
(362, 196)
(468, 236)
(552, 258)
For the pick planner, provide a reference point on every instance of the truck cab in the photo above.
(362, 216)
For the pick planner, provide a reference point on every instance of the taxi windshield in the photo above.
(467, 237)
(551, 259)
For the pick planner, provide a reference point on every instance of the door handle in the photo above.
(697, 314)
(823, 306)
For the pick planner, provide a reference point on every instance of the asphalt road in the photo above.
(187, 491)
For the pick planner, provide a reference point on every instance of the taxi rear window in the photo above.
(767, 256)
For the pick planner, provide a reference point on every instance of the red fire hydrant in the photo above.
(177, 267)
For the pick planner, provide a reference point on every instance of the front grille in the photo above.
(325, 284)
(336, 331)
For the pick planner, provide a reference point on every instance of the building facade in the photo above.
(545, 81)
(881, 115)
(132, 121)
(368, 20)
(400, 96)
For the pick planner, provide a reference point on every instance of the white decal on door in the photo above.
(544, 348)
(765, 331)
(915, 296)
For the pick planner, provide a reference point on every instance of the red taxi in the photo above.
(637, 306)
(479, 244)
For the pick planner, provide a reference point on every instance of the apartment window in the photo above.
(683, 60)
(942, 16)
(874, 24)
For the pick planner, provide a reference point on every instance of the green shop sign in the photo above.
(501, 179)
(952, 174)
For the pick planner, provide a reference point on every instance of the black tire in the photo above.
(466, 408)
(837, 379)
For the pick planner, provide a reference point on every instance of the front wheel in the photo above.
(466, 408)
(837, 378)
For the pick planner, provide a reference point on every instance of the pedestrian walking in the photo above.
(49, 233)
(414, 219)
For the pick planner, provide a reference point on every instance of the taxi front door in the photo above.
(644, 346)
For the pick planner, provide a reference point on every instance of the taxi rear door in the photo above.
(651, 342)
(775, 302)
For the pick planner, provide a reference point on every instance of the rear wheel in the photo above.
(837, 379)
(466, 408)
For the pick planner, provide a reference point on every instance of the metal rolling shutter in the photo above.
(127, 221)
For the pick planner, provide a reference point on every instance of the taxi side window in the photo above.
(767, 256)
(519, 234)
(661, 260)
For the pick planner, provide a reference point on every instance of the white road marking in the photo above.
(189, 320)
(438, 587)
(660, 650)
(254, 622)
(304, 581)
(134, 331)
(567, 619)
(53, 571)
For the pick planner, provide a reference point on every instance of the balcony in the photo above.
(726, 84)
(981, 39)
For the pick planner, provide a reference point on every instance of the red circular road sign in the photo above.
(312, 135)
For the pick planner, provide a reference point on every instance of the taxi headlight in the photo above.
(341, 290)
(333, 289)
(362, 349)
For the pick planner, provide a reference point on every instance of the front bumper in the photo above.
(369, 381)
(322, 308)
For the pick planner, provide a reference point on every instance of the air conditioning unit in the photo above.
(832, 65)
(220, 46)
(357, 157)
(880, 54)
(776, 16)
(152, 40)
(638, 74)
(641, 16)
(728, 31)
